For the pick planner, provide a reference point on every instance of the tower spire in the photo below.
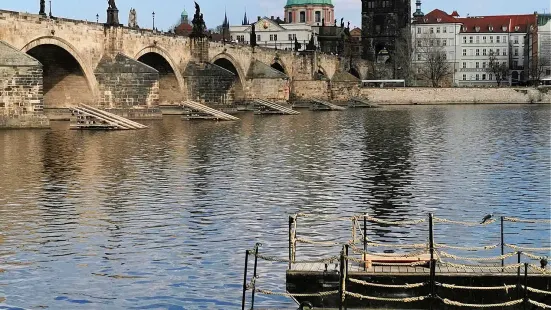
(418, 12)
(245, 19)
(226, 23)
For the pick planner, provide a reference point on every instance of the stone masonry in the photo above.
(21, 101)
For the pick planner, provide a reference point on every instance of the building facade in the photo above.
(469, 42)
(383, 22)
(310, 12)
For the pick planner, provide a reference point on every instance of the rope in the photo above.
(535, 290)
(477, 288)
(324, 243)
(361, 261)
(413, 285)
(412, 254)
(321, 294)
(324, 216)
(514, 266)
(441, 220)
(532, 256)
(516, 247)
(445, 246)
(397, 223)
(402, 246)
(518, 220)
(539, 304)
(504, 304)
(538, 268)
(285, 260)
(478, 259)
(409, 299)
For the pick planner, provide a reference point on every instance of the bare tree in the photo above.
(538, 68)
(499, 70)
(403, 56)
(433, 64)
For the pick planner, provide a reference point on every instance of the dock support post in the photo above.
(342, 279)
(431, 237)
(245, 280)
(254, 270)
(365, 242)
(432, 283)
(291, 221)
(525, 286)
(519, 254)
(346, 257)
(502, 245)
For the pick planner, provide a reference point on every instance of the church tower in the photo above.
(383, 22)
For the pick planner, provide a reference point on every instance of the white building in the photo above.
(544, 43)
(273, 33)
(469, 42)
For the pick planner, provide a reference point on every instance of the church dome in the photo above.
(308, 2)
(184, 13)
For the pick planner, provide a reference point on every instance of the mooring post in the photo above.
(502, 245)
(291, 220)
(254, 271)
(245, 280)
(432, 283)
(519, 254)
(341, 281)
(364, 255)
(525, 286)
(431, 237)
(346, 257)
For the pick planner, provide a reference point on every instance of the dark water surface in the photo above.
(160, 219)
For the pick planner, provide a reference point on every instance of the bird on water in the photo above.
(487, 218)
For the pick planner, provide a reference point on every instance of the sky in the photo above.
(167, 12)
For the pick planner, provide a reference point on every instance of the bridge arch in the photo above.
(355, 72)
(68, 79)
(279, 66)
(229, 63)
(171, 81)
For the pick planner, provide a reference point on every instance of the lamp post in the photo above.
(153, 14)
(50, 8)
(97, 18)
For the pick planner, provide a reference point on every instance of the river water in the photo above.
(160, 219)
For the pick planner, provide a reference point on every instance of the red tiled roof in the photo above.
(455, 14)
(498, 23)
(183, 29)
(435, 17)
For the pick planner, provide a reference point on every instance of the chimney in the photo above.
(258, 18)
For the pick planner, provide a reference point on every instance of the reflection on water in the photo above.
(161, 218)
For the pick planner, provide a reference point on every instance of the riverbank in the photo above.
(417, 95)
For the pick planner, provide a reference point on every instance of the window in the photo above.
(484, 39)
(477, 65)
(445, 56)
(464, 77)
(444, 42)
(515, 38)
(484, 52)
(437, 29)
(515, 64)
(464, 52)
(484, 65)
(419, 43)
(484, 77)
(418, 56)
(478, 77)
(491, 39)
(516, 51)
(490, 77)
(445, 29)
(497, 52)
(477, 52)
(504, 52)
(258, 38)
(504, 39)
(504, 63)
(465, 40)
(470, 39)
(302, 17)
(431, 29)
(497, 39)
(464, 65)
(491, 52)
(271, 37)
(418, 29)
(275, 37)
(292, 37)
(477, 39)
(318, 17)
(437, 42)
(290, 17)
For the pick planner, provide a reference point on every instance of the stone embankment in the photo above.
(411, 95)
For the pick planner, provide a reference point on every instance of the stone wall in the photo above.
(269, 89)
(455, 95)
(21, 100)
(126, 83)
(209, 83)
(306, 90)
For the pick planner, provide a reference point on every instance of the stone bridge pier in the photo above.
(55, 63)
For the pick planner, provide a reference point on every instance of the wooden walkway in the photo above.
(197, 111)
(91, 118)
(269, 107)
(361, 103)
(322, 105)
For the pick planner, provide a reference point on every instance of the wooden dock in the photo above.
(196, 111)
(361, 103)
(322, 105)
(269, 107)
(90, 118)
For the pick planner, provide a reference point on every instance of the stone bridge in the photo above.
(120, 67)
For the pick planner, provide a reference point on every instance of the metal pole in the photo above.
(291, 220)
(346, 258)
(365, 243)
(432, 283)
(341, 280)
(518, 275)
(502, 244)
(245, 280)
(254, 270)
(525, 286)
(431, 237)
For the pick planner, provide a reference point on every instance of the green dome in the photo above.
(184, 13)
(307, 2)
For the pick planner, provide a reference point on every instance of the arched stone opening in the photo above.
(355, 72)
(169, 87)
(278, 67)
(65, 83)
(227, 64)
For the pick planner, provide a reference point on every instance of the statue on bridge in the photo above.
(42, 7)
(112, 4)
(199, 26)
(133, 19)
(112, 14)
